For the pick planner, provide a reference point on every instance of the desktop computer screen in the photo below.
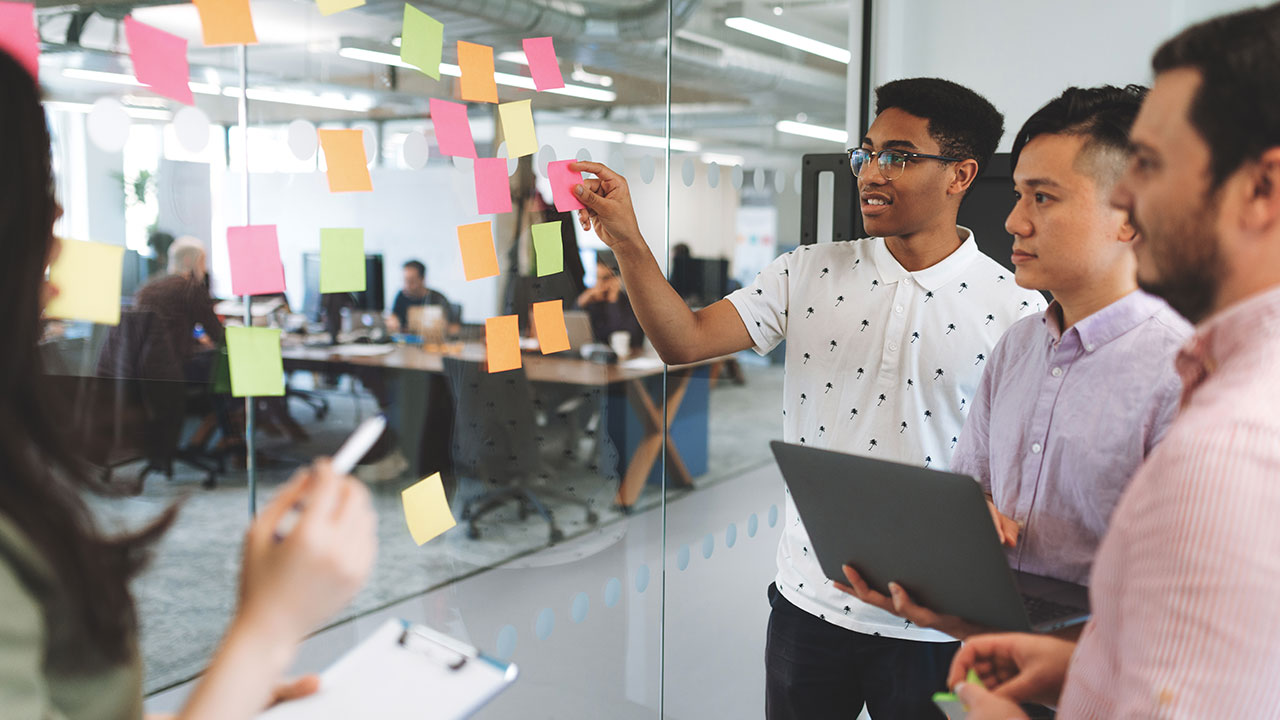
(373, 299)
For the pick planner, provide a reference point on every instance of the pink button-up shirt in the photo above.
(1186, 585)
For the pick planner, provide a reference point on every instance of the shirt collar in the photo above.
(934, 276)
(1106, 324)
(1227, 333)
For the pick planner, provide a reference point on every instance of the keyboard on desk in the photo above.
(1040, 610)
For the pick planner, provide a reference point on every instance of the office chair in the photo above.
(140, 402)
(497, 439)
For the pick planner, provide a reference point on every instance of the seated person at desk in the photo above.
(416, 293)
(181, 301)
(607, 305)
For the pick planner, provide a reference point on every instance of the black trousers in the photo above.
(816, 671)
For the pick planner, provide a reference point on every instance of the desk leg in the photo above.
(646, 453)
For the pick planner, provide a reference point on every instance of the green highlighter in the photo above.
(950, 704)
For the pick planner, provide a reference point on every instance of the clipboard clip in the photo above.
(458, 653)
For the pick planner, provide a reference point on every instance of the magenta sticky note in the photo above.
(562, 182)
(453, 132)
(18, 35)
(255, 260)
(493, 190)
(543, 65)
(159, 60)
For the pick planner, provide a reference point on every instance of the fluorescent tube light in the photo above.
(589, 133)
(799, 42)
(722, 159)
(814, 131)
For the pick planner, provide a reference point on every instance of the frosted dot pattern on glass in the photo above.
(773, 515)
(192, 127)
(546, 156)
(713, 176)
(612, 592)
(584, 155)
(779, 181)
(687, 172)
(753, 524)
(581, 604)
(416, 150)
(108, 125)
(731, 536)
(648, 169)
(642, 578)
(708, 546)
(303, 139)
(758, 179)
(737, 177)
(682, 557)
(507, 638)
(545, 624)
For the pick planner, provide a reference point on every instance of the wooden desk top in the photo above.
(566, 367)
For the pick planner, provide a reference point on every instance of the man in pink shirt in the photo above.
(1186, 584)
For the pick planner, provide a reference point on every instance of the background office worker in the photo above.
(68, 628)
(416, 293)
(886, 339)
(1186, 583)
(1074, 400)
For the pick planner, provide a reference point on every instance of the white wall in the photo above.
(1021, 53)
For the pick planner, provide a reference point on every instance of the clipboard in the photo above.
(403, 671)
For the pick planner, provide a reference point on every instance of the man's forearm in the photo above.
(668, 322)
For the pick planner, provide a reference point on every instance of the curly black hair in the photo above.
(962, 122)
(1236, 108)
(1103, 114)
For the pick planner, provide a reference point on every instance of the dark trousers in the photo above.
(815, 670)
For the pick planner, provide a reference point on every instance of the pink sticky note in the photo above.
(18, 35)
(493, 190)
(255, 260)
(543, 65)
(562, 182)
(453, 132)
(159, 60)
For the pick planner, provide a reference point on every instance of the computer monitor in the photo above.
(373, 299)
(700, 281)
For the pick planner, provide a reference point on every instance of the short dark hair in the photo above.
(962, 122)
(1237, 108)
(1104, 115)
(417, 265)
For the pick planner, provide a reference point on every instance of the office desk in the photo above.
(565, 368)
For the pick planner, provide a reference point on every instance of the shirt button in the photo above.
(1088, 348)
(893, 347)
(906, 281)
(1056, 372)
(1035, 448)
(898, 309)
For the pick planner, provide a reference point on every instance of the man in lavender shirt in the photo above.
(1072, 401)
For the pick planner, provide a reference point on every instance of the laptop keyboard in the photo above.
(1040, 610)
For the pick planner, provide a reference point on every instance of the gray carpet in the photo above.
(186, 596)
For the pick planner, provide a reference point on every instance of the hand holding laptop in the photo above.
(902, 606)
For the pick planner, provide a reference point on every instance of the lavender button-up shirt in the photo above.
(1061, 421)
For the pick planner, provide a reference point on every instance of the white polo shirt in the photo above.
(880, 362)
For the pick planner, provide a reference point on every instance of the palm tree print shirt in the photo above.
(888, 371)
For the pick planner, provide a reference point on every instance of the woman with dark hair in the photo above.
(68, 627)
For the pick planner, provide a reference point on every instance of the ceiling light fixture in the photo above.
(637, 139)
(722, 159)
(520, 81)
(813, 131)
(328, 101)
(799, 42)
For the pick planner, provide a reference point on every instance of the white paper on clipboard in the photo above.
(402, 671)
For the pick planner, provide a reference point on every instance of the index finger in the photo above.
(598, 169)
(325, 495)
(960, 664)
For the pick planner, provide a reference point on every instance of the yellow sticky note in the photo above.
(87, 276)
(517, 127)
(479, 258)
(329, 7)
(257, 368)
(345, 161)
(226, 22)
(502, 342)
(426, 509)
(476, 62)
(548, 319)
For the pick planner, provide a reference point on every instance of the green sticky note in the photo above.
(421, 41)
(342, 260)
(973, 679)
(257, 369)
(548, 248)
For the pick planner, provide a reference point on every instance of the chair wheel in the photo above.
(210, 482)
(523, 512)
(473, 532)
(466, 513)
(556, 535)
(592, 518)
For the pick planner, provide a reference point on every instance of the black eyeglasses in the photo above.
(892, 162)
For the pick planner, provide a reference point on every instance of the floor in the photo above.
(464, 587)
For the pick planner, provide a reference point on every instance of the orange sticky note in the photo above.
(344, 158)
(548, 318)
(502, 343)
(226, 22)
(476, 62)
(479, 258)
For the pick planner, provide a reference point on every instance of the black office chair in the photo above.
(139, 401)
(497, 439)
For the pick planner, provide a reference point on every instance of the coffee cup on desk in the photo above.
(620, 341)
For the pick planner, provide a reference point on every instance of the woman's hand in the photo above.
(291, 585)
(1017, 666)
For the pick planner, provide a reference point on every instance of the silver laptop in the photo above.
(578, 324)
(928, 531)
